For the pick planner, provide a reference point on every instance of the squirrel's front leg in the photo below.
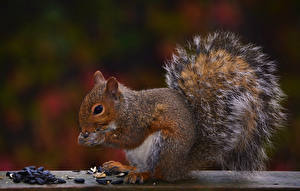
(117, 166)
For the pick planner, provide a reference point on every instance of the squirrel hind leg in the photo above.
(251, 159)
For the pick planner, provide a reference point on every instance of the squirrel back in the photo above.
(234, 94)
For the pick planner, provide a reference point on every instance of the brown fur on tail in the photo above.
(234, 94)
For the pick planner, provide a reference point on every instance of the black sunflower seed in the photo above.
(100, 169)
(61, 181)
(41, 168)
(22, 172)
(32, 181)
(8, 174)
(40, 181)
(101, 181)
(119, 181)
(79, 180)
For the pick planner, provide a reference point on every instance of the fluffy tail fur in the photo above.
(235, 97)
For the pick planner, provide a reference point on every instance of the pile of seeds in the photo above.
(112, 176)
(33, 175)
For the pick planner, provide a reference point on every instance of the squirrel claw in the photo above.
(134, 178)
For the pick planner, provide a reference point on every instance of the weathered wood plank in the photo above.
(202, 180)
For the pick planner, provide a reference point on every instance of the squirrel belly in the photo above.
(220, 109)
(145, 156)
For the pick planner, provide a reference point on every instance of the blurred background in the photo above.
(49, 51)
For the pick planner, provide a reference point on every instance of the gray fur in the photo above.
(221, 124)
(220, 110)
(146, 155)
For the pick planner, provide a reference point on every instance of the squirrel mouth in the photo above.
(102, 128)
(92, 140)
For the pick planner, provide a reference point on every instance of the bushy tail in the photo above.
(234, 94)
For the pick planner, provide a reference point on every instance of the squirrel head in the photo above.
(98, 110)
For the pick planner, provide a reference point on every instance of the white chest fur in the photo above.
(146, 155)
(111, 126)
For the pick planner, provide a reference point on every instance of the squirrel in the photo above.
(220, 110)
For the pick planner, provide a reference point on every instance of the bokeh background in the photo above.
(49, 51)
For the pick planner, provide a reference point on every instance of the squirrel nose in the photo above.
(85, 134)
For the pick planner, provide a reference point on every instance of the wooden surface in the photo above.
(203, 180)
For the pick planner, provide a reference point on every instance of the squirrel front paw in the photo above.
(117, 166)
(136, 177)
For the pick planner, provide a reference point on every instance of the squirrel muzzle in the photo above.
(91, 138)
(97, 137)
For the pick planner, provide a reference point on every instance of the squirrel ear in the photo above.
(98, 77)
(112, 86)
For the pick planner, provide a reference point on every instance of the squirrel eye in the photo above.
(98, 109)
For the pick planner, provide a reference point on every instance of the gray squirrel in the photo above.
(220, 109)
